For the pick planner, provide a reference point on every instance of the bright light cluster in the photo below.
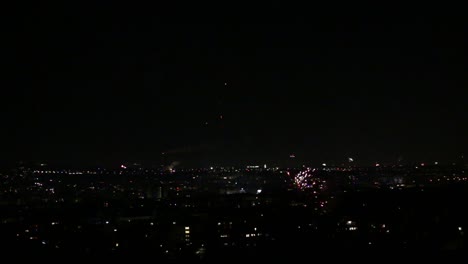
(305, 179)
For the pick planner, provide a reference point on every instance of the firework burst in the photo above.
(305, 179)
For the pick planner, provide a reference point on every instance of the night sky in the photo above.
(105, 85)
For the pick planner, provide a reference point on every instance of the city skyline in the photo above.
(209, 134)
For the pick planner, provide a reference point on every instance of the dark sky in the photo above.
(109, 84)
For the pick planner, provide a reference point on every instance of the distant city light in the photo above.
(312, 188)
